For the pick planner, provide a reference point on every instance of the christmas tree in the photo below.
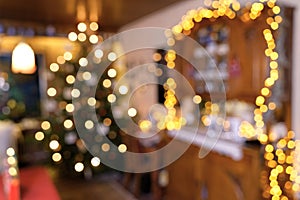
(68, 150)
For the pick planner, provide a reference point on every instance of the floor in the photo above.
(105, 187)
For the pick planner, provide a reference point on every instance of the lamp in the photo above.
(23, 60)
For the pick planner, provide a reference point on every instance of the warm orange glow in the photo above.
(23, 60)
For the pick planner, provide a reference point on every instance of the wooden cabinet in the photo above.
(215, 177)
(236, 48)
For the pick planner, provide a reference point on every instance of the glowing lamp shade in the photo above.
(23, 60)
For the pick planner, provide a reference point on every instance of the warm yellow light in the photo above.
(23, 60)
(11, 161)
(70, 108)
(107, 122)
(177, 29)
(105, 147)
(12, 171)
(269, 148)
(68, 123)
(122, 148)
(39, 136)
(54, 67)
(68, 56)
(236, 6)
(265, 92)
(92, 101)
(291, 134)
(276, 10)
(291, 144)
(156, 57)
(273, 65)
(106, 83)
(60, 60)
(86, 76)
(45, 125)
(274, 56)
(197, 99)
(171, 42)
(94, 26)
(278, 19)
(269, 82)
(70, 79)
(56, 157)
(260, 100)
(272, 106)
(269, 156)
(111, 98)
(145, 125)
(268, 35)
(264, 108)
(89, 124)
(171, 65)
(263, 138)
(82, 37)
(274, 25)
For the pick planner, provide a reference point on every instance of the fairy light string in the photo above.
(279, 155)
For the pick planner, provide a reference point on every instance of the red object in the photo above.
(14, 190)
(36, 184)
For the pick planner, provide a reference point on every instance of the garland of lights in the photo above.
(279, 157)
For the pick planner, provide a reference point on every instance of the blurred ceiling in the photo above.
(111, 14)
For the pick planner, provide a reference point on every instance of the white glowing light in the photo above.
(132, 112)
(51, 92)
(75, 93)
(95, 162)
(122, 148)
(81, 27)
(89, 124)
(54, 145)
(99, 53)
(86, 76)
(92, 101)
(72, 36)
(79, 167)
(94, 39)
(10, 151)
(112, 56)
(123, 89)
(112, 73)
(83, 62)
